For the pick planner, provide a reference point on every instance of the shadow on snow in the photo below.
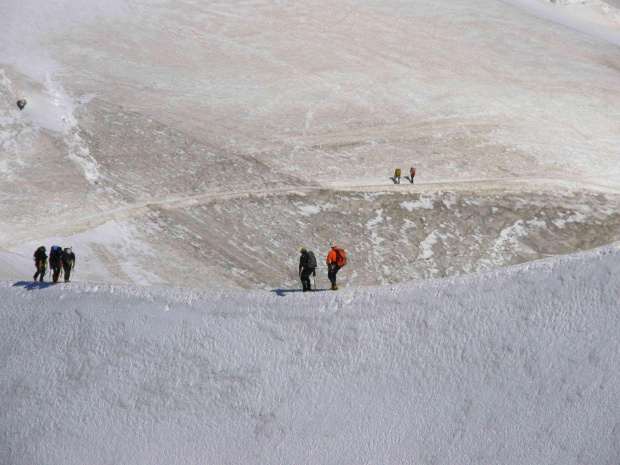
(283, 292)
(31, 285)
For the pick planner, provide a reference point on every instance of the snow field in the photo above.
(192, 100)
(516, 366)
(149, 125)
(596, 18)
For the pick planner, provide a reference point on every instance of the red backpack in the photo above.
(341, 257)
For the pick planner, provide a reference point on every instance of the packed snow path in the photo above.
(518, 366)
(251, 240)
(75, 223)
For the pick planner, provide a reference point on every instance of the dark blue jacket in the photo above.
(68, 259)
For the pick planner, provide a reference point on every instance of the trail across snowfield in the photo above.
(76, 224)
(516, 366)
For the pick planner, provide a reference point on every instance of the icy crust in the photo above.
(516, 366)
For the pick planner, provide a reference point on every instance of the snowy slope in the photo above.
(596, 18)
(151, 125)
(520, 366)
(390, 237)
(200, 144)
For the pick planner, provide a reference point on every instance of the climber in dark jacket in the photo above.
(307, 267)
(40, 261)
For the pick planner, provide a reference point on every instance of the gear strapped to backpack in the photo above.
(341, 257)
(311, 259)
(55, 255)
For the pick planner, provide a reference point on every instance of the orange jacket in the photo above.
(331, 257)
(412, 171)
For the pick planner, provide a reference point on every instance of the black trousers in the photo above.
(55, 271)
(67, 270)
(305, 278)
(40, 271)
(331, 274)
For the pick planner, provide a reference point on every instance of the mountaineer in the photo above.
(307, 267)
(55, 262)
(397, 176)
(68, 262)
(40, 261)
(336, 259)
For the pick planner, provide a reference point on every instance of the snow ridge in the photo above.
(516, 366)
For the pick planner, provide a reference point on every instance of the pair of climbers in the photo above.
(336, 259)
(397, 174)
(59, 259)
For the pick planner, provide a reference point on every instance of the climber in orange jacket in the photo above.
(336, 259)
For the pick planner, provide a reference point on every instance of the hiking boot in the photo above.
(334, 288)
(67, 281)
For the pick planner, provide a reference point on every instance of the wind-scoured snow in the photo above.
(516, 366)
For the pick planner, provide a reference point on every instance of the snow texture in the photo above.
(516, 366)
(194, 144)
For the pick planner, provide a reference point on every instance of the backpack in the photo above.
(39, 254)
(341, 257)
(311, 259)
(55, 254)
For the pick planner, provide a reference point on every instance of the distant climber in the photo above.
(397, 176)
(336, 259)
(55, 262)
(307, 267)
(40, 261)
(411, 174)
(68, 262)
(21, 104)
